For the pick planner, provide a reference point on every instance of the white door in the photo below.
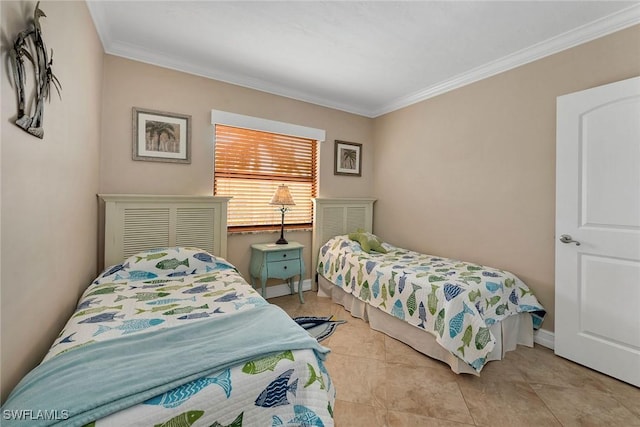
(598, 229)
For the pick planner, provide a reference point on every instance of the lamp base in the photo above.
(282, 240)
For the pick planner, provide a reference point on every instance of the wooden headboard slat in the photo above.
(337, 216)
(134, 223)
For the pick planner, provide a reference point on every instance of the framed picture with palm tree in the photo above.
(348, 158)
(159, 136)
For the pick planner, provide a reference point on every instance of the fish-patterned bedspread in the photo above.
(168, 287)
(455, 301)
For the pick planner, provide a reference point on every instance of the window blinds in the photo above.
(249, 166)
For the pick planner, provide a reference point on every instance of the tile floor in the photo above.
(383, 382)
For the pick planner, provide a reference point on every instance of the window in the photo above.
(249, 166)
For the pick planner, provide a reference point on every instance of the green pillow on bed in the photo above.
(368, 242)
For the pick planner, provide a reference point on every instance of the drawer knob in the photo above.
(284, 255)
(285, 267)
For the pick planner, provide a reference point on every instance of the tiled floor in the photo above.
(382, 382)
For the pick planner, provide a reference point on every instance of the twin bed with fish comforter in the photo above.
(176, 337)
(475, 313)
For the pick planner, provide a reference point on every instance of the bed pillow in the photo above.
(368, 242)
(176, 261)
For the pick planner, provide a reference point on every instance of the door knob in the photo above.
(565, 238)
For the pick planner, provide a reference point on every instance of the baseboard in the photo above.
(283, 289)
(544, 338)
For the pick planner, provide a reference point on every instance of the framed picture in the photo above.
(161, 137)
(348, 158)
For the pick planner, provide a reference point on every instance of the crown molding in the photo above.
(136, 53)
(588, 32)
(583, 34)
(102, 28)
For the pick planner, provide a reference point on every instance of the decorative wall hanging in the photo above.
(161, 137)
(348, 158)
(30, 45)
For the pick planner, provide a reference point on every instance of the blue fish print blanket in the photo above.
(455, 301)
(153, 352)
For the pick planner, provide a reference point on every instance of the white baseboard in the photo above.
(283, 289)
(544, 338)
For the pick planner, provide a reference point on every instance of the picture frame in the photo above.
(348, 158)
(160, 136)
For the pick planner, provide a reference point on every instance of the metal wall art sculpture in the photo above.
(30, 45)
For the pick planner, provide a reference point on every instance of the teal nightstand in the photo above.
(272, 261)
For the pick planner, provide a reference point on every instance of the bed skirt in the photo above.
(509, 333)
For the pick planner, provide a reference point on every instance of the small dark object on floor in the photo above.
(318, 327)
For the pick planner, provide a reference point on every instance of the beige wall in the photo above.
(49, 187)
(130, 84)
(471, 174)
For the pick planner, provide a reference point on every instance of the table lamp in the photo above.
(284, 199)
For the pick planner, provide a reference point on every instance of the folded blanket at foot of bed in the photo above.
(101, 378)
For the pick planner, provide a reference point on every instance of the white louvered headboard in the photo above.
(336, 216)
(134, 223)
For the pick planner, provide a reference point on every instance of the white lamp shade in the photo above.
(282, 197)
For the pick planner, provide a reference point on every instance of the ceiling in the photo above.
(363, 57)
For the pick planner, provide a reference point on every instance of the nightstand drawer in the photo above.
(283, 269)
(283, 255)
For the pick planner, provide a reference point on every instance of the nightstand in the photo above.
(272, 261)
